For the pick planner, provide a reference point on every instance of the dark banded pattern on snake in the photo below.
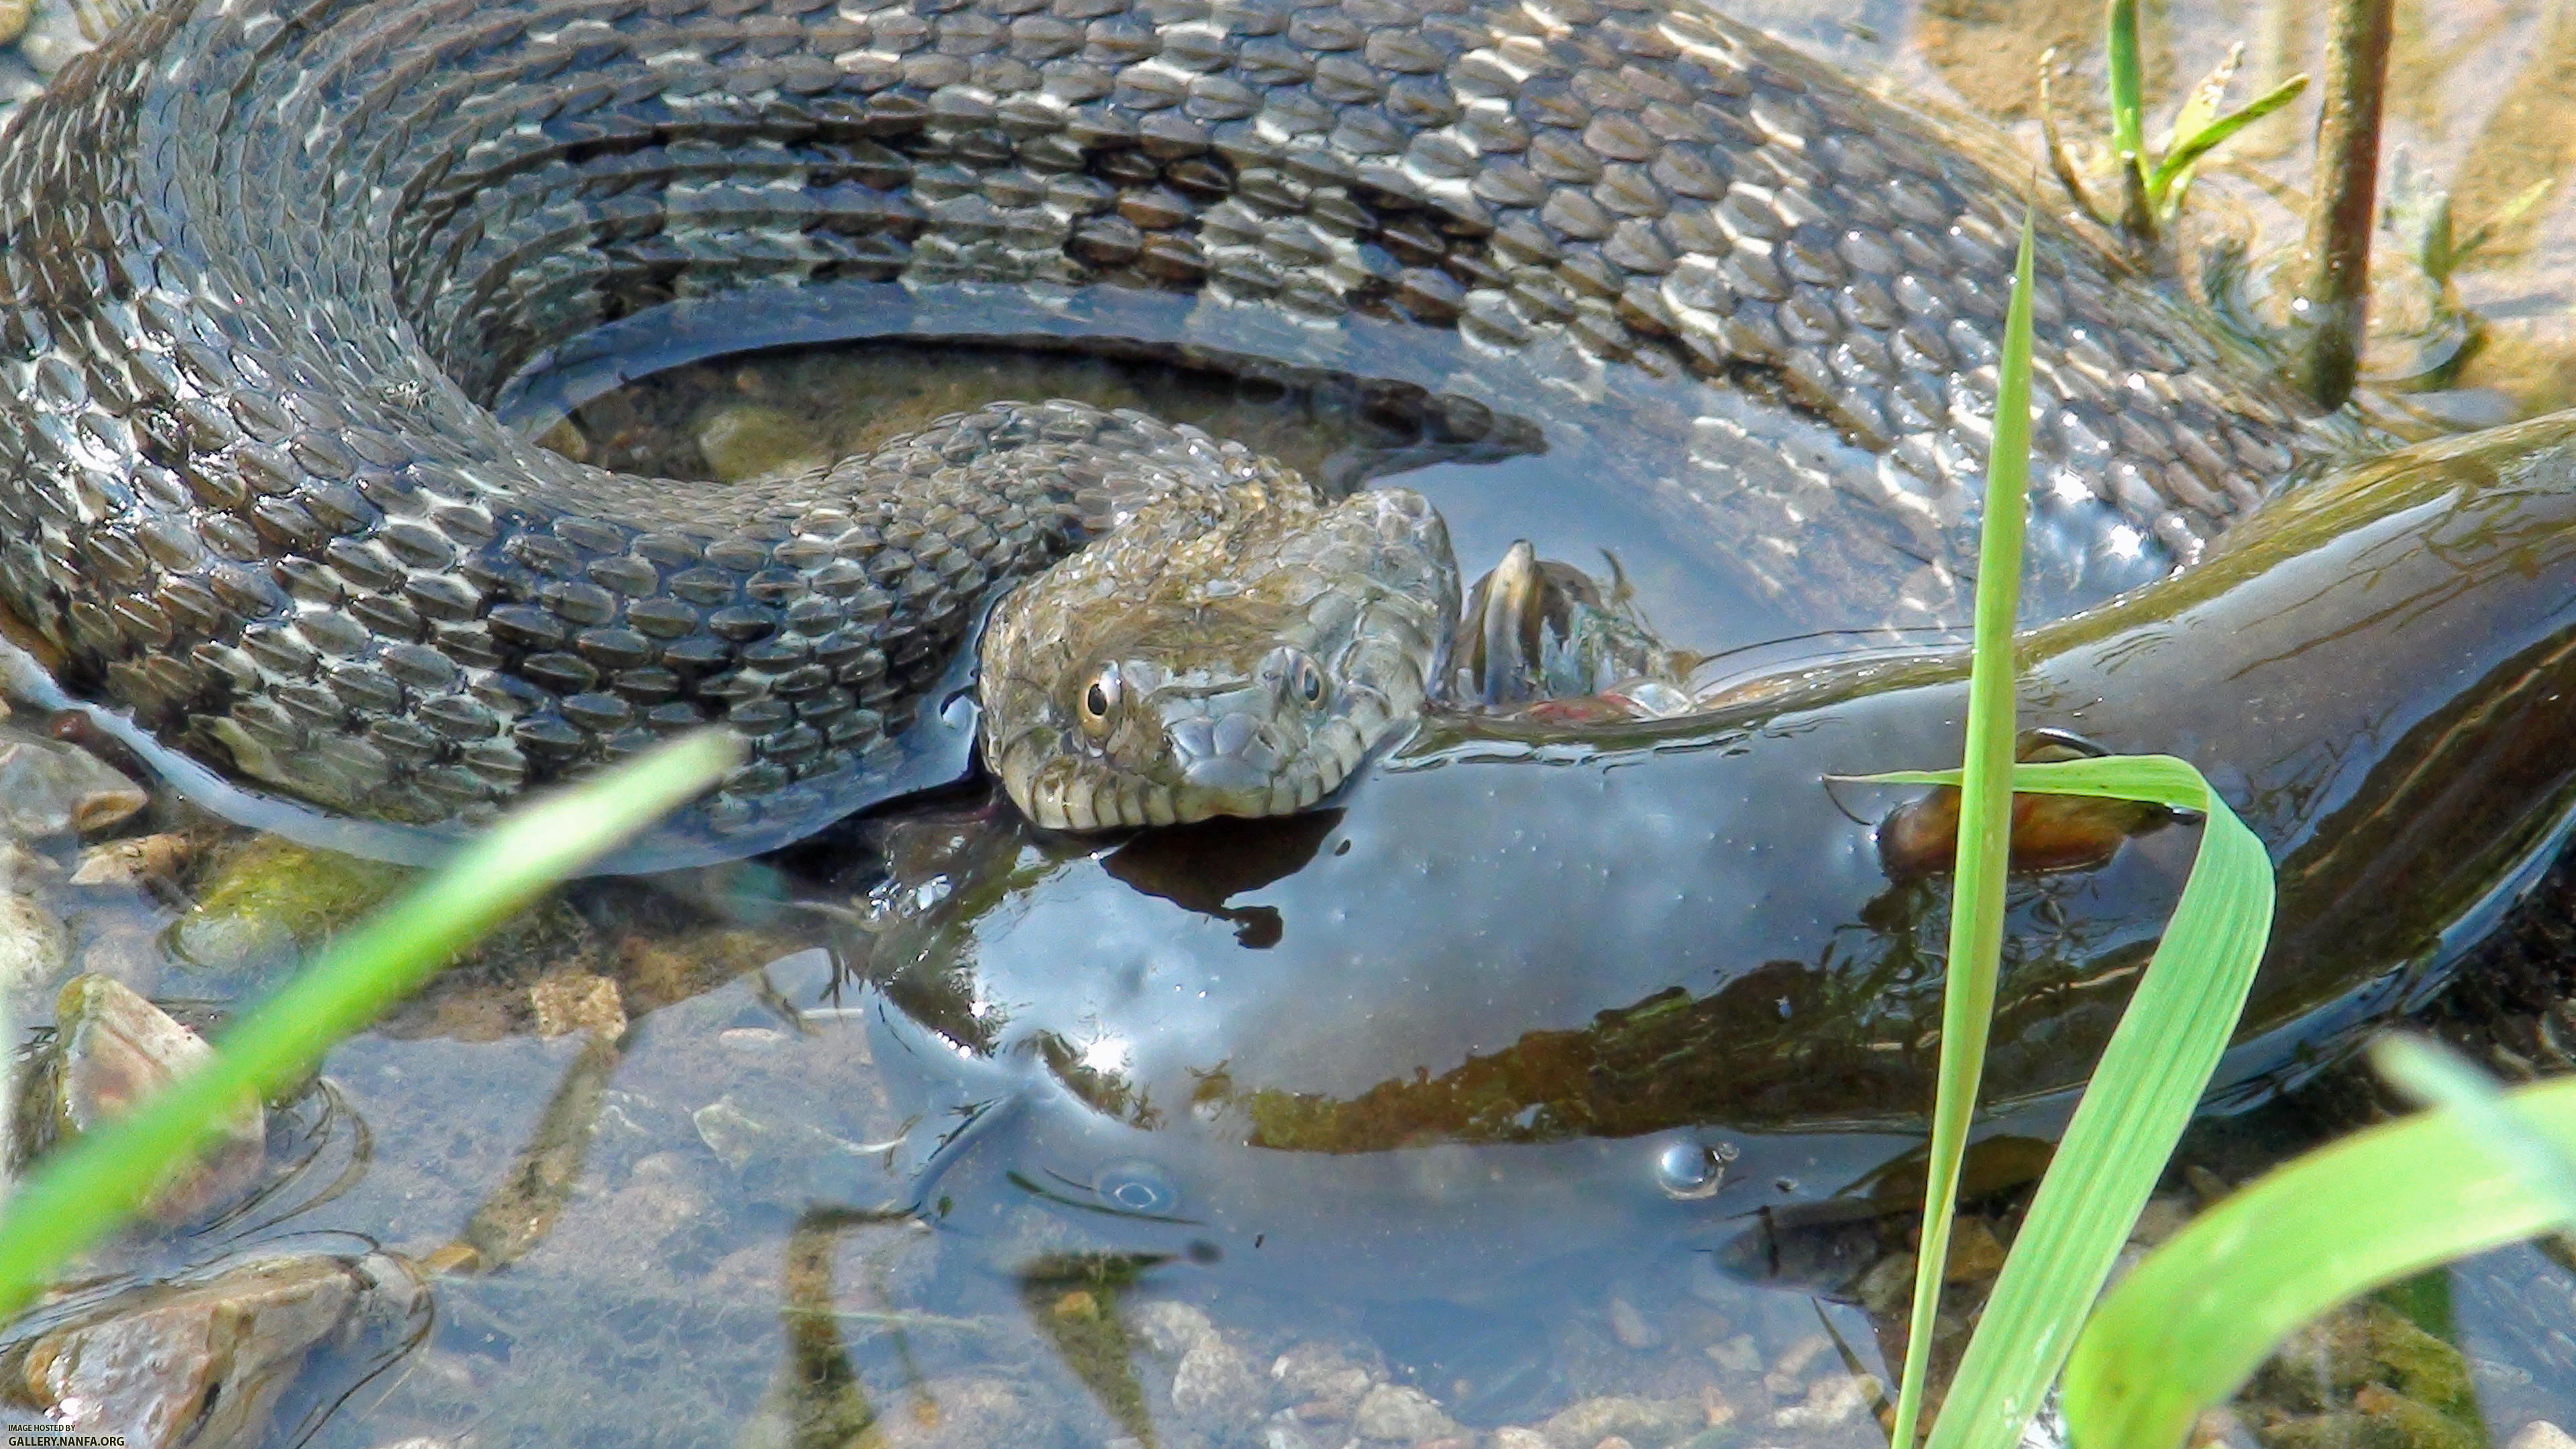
(266, 265)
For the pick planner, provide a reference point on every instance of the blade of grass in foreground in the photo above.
(1985, 831)
(2159, 1059)
(2435, 1075)
(91, 1188)
(2201, 1313)
(2142, 1096)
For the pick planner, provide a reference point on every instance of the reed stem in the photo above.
(2334, 296)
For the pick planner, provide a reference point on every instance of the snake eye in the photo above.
(1098, 700)
(1308, 681)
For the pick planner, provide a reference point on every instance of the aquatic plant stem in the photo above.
(95, 1185)
(1985, 834)
(2334, 294)
(2128, 81)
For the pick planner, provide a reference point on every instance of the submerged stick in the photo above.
(2334, 294)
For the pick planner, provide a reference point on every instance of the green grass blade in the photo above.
(2143, 1094)
(2436, 1076)
(2128, 80)
(92, 1187)
(1985, 828)
(2206, 99)
(2199, 1315)
(2172, 175)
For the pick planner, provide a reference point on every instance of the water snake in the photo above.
(265, 269)
(1692, 994)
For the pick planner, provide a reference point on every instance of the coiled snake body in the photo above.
(264, 267)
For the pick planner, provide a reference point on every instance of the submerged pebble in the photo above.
(2367, 1375)
(1630, 1327)
(111, 1049)
(1645, 1423)
(53, 787)
(1740, 1355)
(198, 1365)
(1833, 1399)
(54, 34)
(139, 861)
(35, 949)
(1321, 1381)
(577, 1001)
(272, 898)
(1403, 1415)
(1214, 1384)
(2542, 1434)
(749, 441)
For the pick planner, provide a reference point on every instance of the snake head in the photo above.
(1153, 682)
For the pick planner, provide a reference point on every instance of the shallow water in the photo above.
(657, 1117)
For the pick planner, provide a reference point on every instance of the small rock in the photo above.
(271, 898)
(195, 1365)
(136, 861)
(1614, 1442)
(54, 37)
(1716, 1407)
(13, 19)
(2220, 1429)
(1649, 1423)
(1327, 1384)
(111, 1050)
(565, 437)
(1831, 1400)
(2206, 1185)
(1401, 1415)
(1215, 1385)
(1888, 1286)
(1285, 1432)
(1630, 1326)
(748, 441)
(1740, 1355)
(1516, 1437)
(20, 866)
(2542, 1434)
(54, 787)
(1795, 1358)
(958, 1413)
(35, 948)
(1976, 1254)
(2160, 1219)
(1172, 1329)
(577, 1001)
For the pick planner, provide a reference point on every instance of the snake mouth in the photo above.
(1232, 764)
